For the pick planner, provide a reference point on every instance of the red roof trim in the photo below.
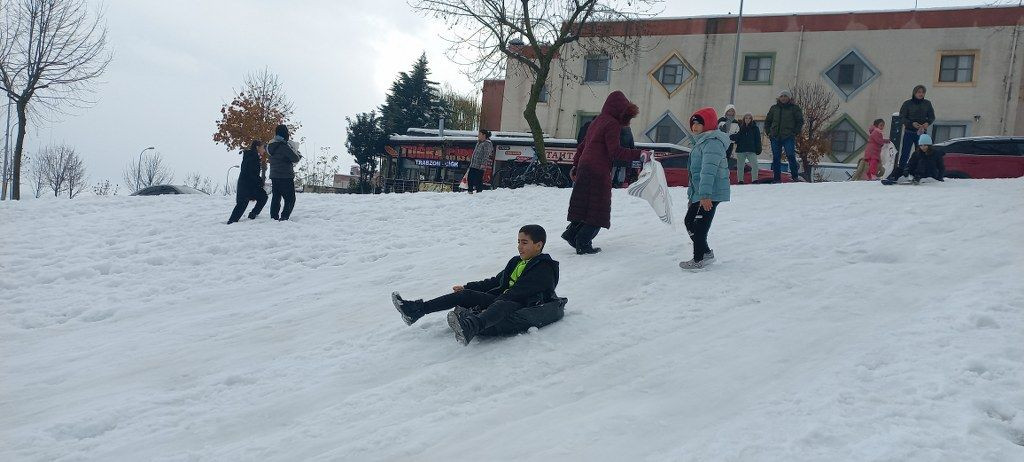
(830, 22)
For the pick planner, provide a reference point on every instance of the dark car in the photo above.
(983, 157)
(163, 189)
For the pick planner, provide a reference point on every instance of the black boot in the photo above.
(585, 240)
(570, 233)
(411, 310)
(465, 324)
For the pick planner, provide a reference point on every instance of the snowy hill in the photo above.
(843, 321)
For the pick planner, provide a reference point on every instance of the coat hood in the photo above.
(617, 106)
(709, 116)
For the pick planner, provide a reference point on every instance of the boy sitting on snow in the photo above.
(520, 297)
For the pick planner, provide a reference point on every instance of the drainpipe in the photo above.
(799, 49)
(561, 96)
(1009, 80)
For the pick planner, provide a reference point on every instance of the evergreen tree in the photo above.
(414, 101)
(365, 140)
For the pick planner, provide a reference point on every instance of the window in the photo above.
(850, 74)
(666, 130)
(543, 97)
(847, 139)
(673, 74)
(957, 67)
(596, 70)
(757, 68)
(944, 132)
(582, 118)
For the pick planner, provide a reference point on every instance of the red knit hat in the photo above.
(707, 116)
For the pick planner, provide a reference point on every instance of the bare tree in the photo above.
(151, 172)
(50, 53)
(61, 170)
(489, 37)
(200, 182)
(820, 106)
(105, 188)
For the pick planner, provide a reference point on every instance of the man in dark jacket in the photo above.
(917, 115)
(250, 184)
(784, 121)
(284, 154)
(521, 296)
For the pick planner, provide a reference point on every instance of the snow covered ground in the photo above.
(843, 321)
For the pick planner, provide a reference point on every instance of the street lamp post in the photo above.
(138, 174)
(227, 179)
(736, 55)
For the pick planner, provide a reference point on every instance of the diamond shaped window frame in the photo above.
(856, 128)
(653, 74)
(863, 85)
(657, 120)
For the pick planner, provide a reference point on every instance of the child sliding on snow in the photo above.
(521, 296)
(924, 163)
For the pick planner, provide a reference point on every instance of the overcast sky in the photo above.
(176, 63)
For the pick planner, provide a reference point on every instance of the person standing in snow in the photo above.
(250, 183)
(727, 124)
(917, 116)
(873, 151)
(709, 184)
(748, 145)
(590, 205)
(284, 154)
(784, 121)
(482, 153)
(521, 296)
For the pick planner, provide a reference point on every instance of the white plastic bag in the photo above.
(889, 155)
(652, 187)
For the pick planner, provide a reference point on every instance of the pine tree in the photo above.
(365, 141)
(414, 101)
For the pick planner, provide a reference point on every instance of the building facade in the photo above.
(971, 61)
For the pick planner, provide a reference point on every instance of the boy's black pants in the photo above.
(498, 317)
(698, 223)
(282, 188)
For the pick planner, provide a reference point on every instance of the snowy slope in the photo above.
(843, 321)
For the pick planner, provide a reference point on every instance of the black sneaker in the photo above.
(464, 324)
(589, 250)
(410, 310)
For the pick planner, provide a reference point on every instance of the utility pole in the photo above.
(736, 55)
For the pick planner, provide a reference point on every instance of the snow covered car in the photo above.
(160, 190)
(983, 157)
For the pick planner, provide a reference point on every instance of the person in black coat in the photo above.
(250, 183)
(521, 296)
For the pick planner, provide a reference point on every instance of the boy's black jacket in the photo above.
(536, 284)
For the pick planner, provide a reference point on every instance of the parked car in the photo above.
(160, 190)
(983, 157)
(677, 171)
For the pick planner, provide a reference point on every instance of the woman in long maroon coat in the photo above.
(590, 207)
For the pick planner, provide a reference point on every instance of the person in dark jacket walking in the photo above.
(284, 154)
(590, 205)
(619, 168)
(784, 121)
(917, 116)
(521, 296)
(482, 154)
(748, 145)
(250, 183)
